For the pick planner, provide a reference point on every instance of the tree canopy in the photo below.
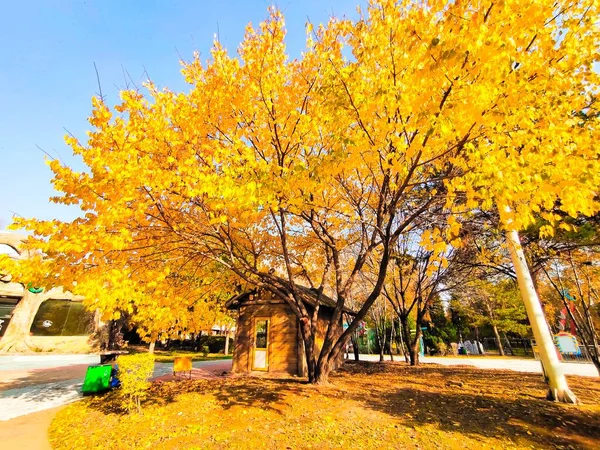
(273, 172)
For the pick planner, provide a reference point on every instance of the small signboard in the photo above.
(182, 364)
(567, 343)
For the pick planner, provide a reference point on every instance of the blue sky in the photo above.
(47, 78)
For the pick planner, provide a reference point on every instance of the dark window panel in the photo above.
(7, 305)
(62, 318)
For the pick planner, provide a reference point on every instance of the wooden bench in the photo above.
(110, 356)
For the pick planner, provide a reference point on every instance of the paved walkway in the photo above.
(200, 370)
(34, 398)
(12, 379)
(27, 391)
(28, 432)
(38, 387)
(33, 388)
(30, 362)
(515, 364)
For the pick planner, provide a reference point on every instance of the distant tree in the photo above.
(575, 276)
(496, 304)
(440, 328)
(416, 278)
(460, 316)
(381, 316)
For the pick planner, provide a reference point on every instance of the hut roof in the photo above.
(308, 295)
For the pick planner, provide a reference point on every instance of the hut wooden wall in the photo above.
(286, 349)
(283, 330)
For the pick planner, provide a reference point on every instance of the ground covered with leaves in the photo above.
(367, 405)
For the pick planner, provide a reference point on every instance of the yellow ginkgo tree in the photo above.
(543, 161)
(279, 172)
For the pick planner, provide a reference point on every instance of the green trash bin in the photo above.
(97, 379)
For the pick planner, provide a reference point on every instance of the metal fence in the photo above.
(512, 347)
(580, 356)
(583, 357)
(527, 348)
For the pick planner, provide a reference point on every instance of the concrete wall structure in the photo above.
(12, 290)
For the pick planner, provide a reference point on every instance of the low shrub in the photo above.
(442, 348)
(134, 371)
(215, 344)
(436, 345)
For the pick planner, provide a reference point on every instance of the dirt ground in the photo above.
(367, 405)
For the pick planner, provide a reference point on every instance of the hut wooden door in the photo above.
(260, 357)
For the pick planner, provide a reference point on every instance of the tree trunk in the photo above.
(226, 351)
(151, 347)
(511, 352)
(406, 335)
(115, 334)
(309, 348)
(402, 345)
(391, 342)
(323, 369)
(413, 346)
(586, 330)
(329, 354)
(326, 362)
(414, 350)
(595, 353)
(16, 336)
(355, 348)
(596, 362)
(557, 382)
(381, 341)
(333, 344)
(498, 340)
(589, 341)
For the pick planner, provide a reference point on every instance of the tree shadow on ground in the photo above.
(484, 403)
(265, 393)
(509, 407)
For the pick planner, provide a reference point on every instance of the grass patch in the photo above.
(367, 406)
(168, 356)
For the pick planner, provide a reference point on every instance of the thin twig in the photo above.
(99, 85)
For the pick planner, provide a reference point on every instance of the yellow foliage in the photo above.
(476, 105)
(134, 372)
(362, 409)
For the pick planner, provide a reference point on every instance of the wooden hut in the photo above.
(268, 335)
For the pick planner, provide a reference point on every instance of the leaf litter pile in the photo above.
(366, 405)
